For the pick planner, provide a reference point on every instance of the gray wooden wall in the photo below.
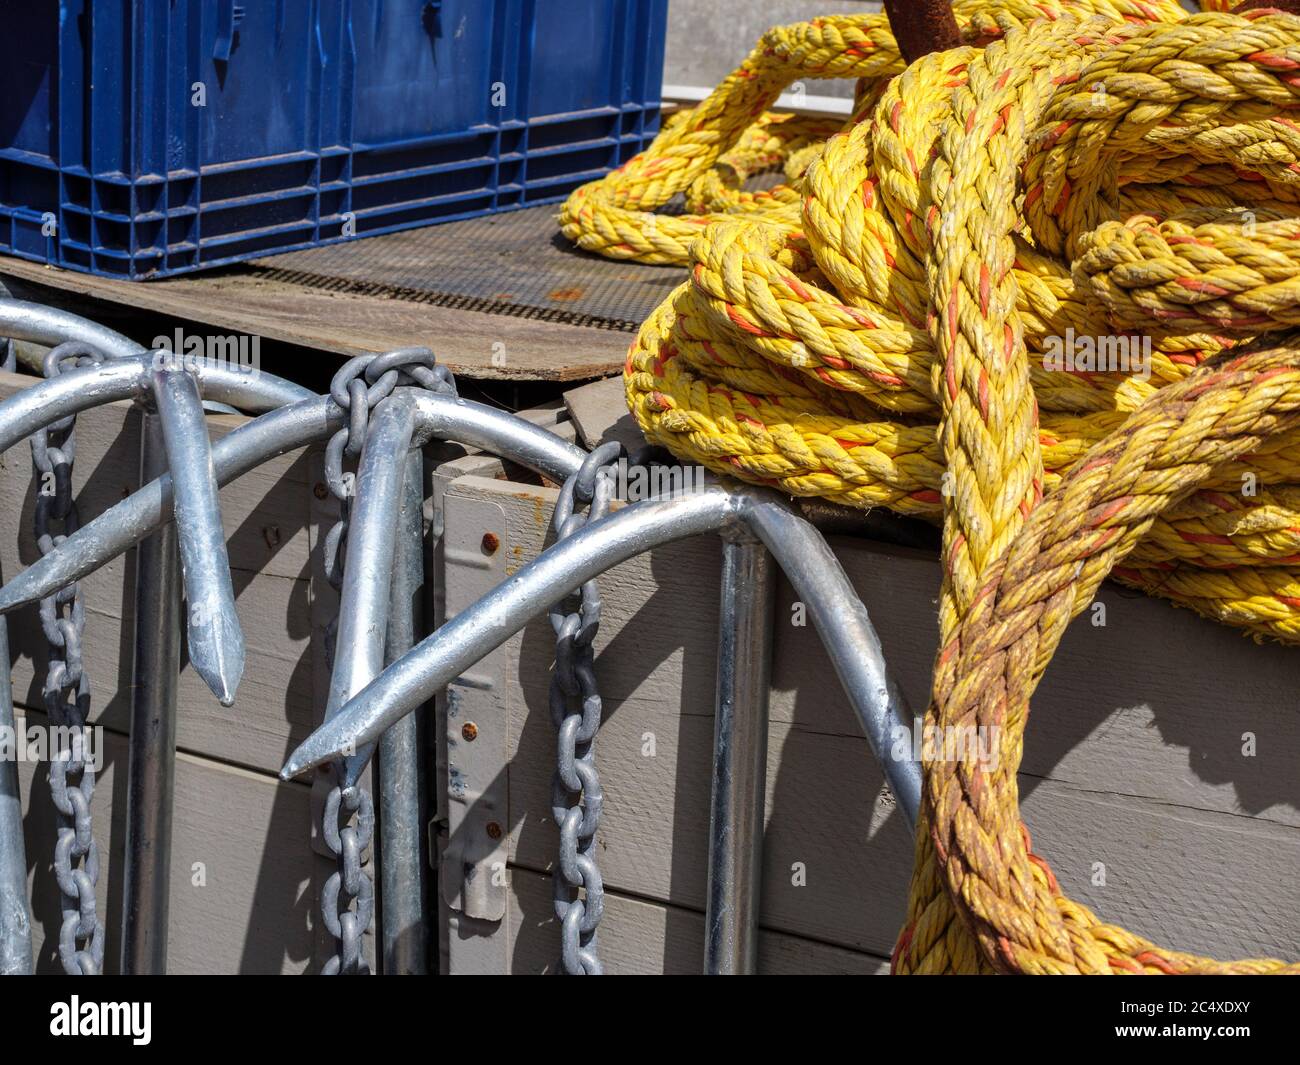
(1134, 783)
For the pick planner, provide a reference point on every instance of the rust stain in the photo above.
(566, 295)
(540, 517)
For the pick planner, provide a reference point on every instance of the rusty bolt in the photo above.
(493, 830)
(470, 731)
(490, 543)
(320, 491)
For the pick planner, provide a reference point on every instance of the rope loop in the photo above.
(1040, 289)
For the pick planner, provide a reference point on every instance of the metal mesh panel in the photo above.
(514, 263)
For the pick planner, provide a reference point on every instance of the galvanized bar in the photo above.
(71, 392)
(157, 645)
(297, 425)
(368, 572)
(216, 641)
(507, 435)
(736, 818)
(79, 390)
(38, 324)
(15, 917)
(838, 614)
(106, 536)
(403, 798)
(364, 603)
(151, 768)
(841, 620)
(476, 632)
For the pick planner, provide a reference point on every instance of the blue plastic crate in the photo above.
(142, 138)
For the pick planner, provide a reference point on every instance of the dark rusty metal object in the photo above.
(1289, 6)
(922, 26)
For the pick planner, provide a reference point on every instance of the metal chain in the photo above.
(348, 819)
(576, 709)
(67, 689)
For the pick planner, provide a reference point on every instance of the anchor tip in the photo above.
(217, 654)
(295, 766)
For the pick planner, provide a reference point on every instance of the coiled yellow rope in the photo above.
(914, 320)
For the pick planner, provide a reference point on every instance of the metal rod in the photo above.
(157, 644)
(368, 573)
(841, 620)
(922, 26)
(216, 641)
(403, 802)
(364, 604)
(477, 425)
(736, 817)
(151, 768)
(297, 425)
(473, 633)
(70, 392)
(838, 614)
(37, 324)
(15, 917)
(105, 537)
(129, 378)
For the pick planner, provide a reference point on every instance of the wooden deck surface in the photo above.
(472, 343)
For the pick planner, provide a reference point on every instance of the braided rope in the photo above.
(886, 329)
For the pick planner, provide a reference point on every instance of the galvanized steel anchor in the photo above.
(378, 677)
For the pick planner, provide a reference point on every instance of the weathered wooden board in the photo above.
(472, 343)
(599, 412)
(1134, 769)
(240, 869)
(641, 937)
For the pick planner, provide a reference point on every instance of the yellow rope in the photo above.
(928, 317)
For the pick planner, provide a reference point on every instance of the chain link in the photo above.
(67, 688)
(348, 819)
(576, 710)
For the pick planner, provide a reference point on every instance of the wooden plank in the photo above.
(599, 412)
(640, 937)
(470, 343)
(274, 709)
(240, 868)
(1188, 829)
